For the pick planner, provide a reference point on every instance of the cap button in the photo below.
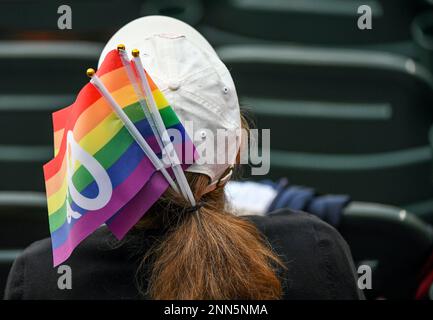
(174, 85)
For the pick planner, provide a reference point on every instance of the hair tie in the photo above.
(195, 208)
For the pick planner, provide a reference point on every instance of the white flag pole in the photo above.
(141, 98)
(177, 169)
(130, 127)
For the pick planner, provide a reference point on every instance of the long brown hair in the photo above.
(209, 254)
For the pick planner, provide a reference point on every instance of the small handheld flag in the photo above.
(106, 167)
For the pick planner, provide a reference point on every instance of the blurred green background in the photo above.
(350, 110)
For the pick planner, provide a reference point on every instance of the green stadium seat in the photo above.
(41, 78)
(21, 167)
(45, 67)
(190, 11)
(92, 19)
(26, 118)
(326, 22)
(395, 239)
(342, 121)
(422, 33)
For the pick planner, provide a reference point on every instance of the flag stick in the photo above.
(130, 127)
(177, 169)
(141, 98)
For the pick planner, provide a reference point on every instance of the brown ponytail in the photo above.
(209, 254)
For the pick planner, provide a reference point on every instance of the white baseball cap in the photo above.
(192, 77)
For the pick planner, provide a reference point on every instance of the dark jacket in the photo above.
(318, 260)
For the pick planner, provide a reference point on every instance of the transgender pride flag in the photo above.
(99, 173)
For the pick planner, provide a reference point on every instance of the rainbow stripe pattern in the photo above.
(99, 174)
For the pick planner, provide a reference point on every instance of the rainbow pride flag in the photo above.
(99, 173)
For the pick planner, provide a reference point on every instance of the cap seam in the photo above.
(187, 77)
(183, 79)
(205, 102)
